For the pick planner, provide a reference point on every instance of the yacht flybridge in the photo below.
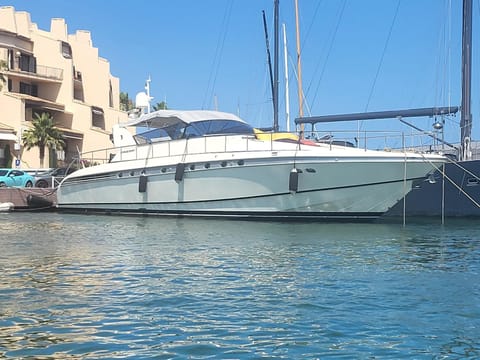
(209, 163)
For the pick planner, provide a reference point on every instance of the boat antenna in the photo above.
(147, 89)
(466, 116)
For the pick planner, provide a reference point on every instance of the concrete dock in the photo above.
(28, 198)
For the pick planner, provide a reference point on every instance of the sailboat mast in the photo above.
(269, 58)
(287, 96)
(299, 68)
(466, 116)
(275, 69)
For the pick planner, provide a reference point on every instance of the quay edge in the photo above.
(29, 198)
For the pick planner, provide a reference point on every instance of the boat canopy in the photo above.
(173, 124)
(165, 118)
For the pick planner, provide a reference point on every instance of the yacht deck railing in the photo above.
(371, 140)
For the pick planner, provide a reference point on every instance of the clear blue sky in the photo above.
(197, 51)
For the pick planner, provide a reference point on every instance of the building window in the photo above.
(110, 95)
(28, 63)
(78, 94)
(28, 89)
(77, 85)
(20, 61)
(66, 50)
(11, 60)
(98, 118)
(77, 75)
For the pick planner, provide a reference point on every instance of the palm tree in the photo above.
(160, 106)
(43, 133)
(126, 103)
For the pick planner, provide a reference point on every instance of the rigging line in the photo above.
(294, 69)
(226, 23)
(328, 54)
(442, 92)
(439, 65)
(311, 24)
(459, 188)
(464, 169)
(382, 57)
(299, 54)
(218, 54)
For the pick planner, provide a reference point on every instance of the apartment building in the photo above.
(58, 73)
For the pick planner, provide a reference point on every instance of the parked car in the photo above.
(52, 178)
(15, 178)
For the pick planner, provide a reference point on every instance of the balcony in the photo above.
(42, 73)
(37, 102)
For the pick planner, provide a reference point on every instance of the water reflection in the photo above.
(104, 287)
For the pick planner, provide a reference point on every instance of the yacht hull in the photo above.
(254, 188)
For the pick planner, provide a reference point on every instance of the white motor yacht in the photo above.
(210, 163)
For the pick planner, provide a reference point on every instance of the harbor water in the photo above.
(117, 287)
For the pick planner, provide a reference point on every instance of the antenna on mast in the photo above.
(143, 99)
(147, 88)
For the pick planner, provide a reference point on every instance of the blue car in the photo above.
(16, 178)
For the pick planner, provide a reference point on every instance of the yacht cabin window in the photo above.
(182, 130)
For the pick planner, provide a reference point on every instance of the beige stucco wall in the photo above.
(19, 34)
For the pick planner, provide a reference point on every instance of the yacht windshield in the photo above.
(171, 132)
(217, 127)
(199, 128)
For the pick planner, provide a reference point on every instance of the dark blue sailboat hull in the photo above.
(426, 197)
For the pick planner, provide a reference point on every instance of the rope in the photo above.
(327, 57)
(383, 55)
(218, 54)
(464, 169)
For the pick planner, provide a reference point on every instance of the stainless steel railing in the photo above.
(372, 140)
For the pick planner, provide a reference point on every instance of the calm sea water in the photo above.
(103, 287)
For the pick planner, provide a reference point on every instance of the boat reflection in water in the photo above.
(209, 163)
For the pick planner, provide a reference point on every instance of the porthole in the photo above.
(473, 182)
(207, 165)
(163, 170)
(192, 167)
(132, 173)
(223, 163)
(240, 162)
(120, 175)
